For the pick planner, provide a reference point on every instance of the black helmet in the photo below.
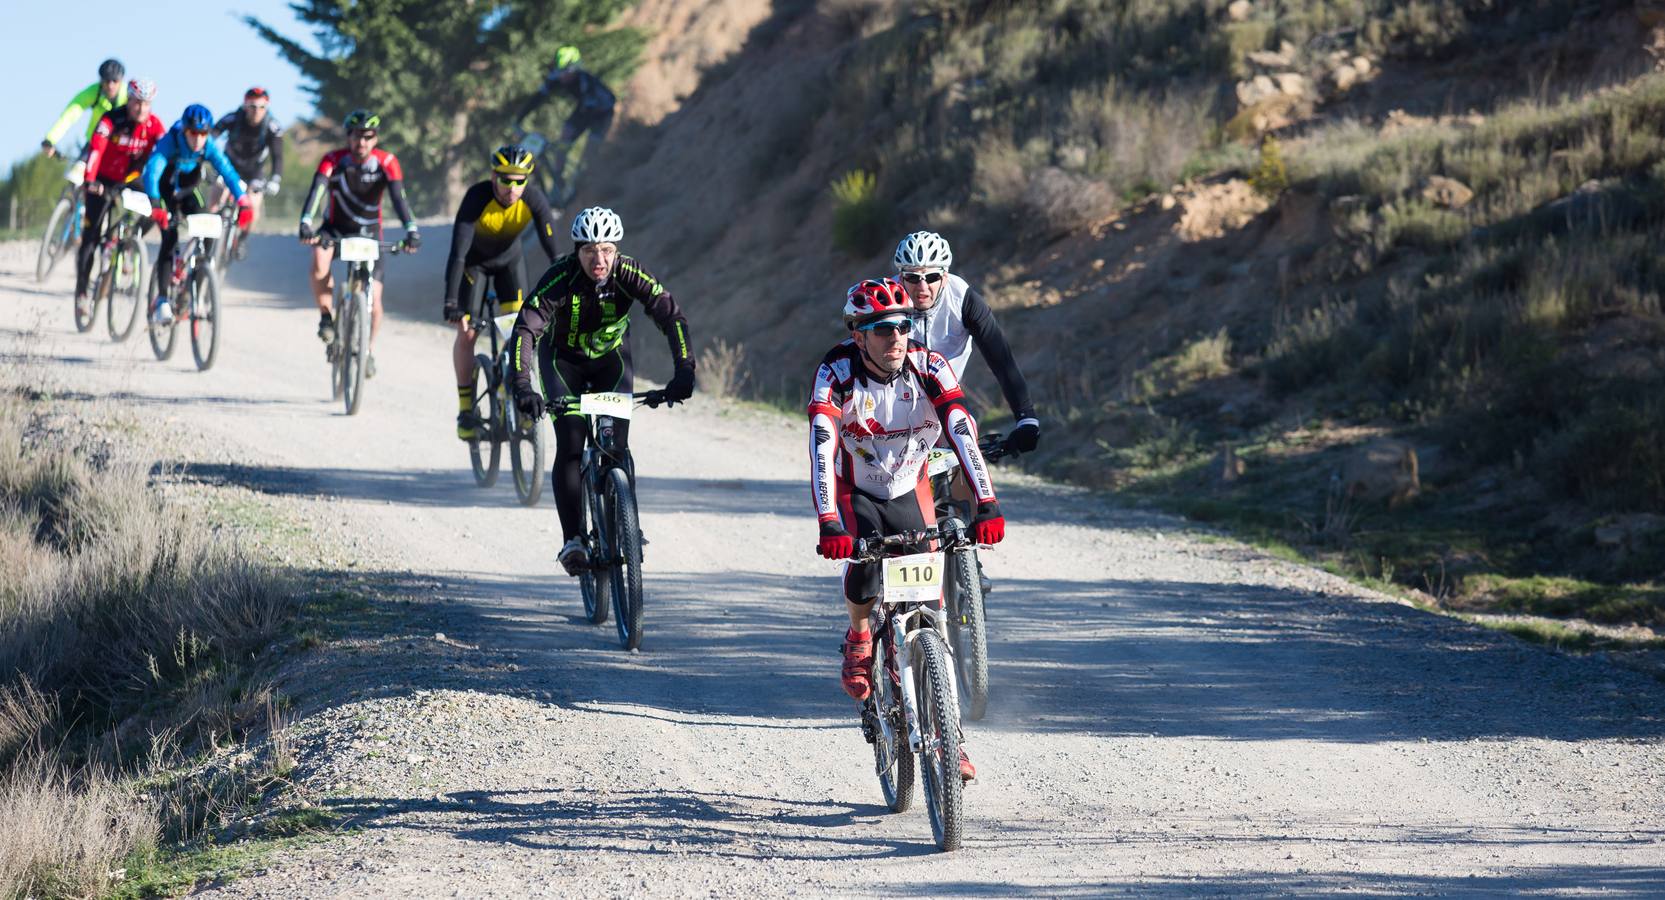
(361, 120)
(111, 70)
(513, 159)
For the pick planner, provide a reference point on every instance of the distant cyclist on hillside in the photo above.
(252, 136)
(485, 244)
(98, 98)
(592, 110)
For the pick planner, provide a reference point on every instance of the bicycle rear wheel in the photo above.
(968, 631)
(126, 291)
(205, 316)
(162, 336)
(59, 237)
(892, 759)
(627, 546)
(355, 349)
(486, 450)
(939, 720)
(528, 450)
(594, 582)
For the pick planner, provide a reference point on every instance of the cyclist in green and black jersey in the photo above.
(576, 324)
(485, 243)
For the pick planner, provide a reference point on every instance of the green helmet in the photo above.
(566, 56)
(361, 120)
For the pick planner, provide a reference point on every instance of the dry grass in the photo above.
(66, 834)
(723, 370)
(125, 627)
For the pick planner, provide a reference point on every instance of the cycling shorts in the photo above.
(867, 516)
(335, 229)
(507, 275)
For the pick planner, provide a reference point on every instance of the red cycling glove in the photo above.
(836, 543)
(989, 526)
(245, 213)
(159, 214)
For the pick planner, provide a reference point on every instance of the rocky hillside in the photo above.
(1375, 280)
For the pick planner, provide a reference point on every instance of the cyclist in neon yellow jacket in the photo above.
(108, 93)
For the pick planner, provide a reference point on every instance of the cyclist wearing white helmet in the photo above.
(575, 324)
(956, 318)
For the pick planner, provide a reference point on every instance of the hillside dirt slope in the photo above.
(1170, 715)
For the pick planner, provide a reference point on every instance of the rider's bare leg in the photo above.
(859, 613)
(375, 309)
(462, 353)
(323, 284)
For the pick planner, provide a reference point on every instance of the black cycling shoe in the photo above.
(326, 328)
(467, 425)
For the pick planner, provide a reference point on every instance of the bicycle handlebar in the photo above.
(393, 248)
(650, 399)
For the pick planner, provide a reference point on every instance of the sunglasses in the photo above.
(193, 133)
(506, 181)
(926, 277)
(887, 328)
(365, 135)
(256, 106)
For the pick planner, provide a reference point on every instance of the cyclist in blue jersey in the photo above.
(173, 181)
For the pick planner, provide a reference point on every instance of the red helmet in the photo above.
(873, 298)
(255, 93)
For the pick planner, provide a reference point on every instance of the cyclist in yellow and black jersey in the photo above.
(485, 243)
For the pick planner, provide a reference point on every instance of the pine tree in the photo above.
(446, 75)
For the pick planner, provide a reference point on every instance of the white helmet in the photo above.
(923, 249)
(597, 225)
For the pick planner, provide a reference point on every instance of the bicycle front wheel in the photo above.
(162, 336)
(939, 720)
(594, 582)
(59, 237)
(102, 287)
(620, 501)
(355, 349)
(126, 290)
(968, 630)
(205, 317)
(485, 451)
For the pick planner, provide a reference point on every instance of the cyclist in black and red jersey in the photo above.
(485, 243)
(353, 179)
(121, 142)
(251, 136)
(880, 402)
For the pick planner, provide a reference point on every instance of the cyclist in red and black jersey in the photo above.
(353, 179)
(121, 142)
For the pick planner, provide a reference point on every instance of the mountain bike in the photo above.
(549, 168)
(63, 227)
(121, 281)
(963, 586)
(613, 536)
(196, 291)
(913, 713)
(231, 249)
(497, 420)
(349, 353)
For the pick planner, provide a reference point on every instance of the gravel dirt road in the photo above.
(1171, 715)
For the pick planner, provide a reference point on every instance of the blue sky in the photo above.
(196, 53)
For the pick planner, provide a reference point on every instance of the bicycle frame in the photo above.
(901, 614)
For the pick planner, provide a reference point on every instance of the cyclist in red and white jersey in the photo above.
(121, 142)
(353, 180)
(879, 404)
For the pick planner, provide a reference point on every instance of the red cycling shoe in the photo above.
(968, 772)
(857, 674)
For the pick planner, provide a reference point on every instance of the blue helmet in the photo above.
(197, 118)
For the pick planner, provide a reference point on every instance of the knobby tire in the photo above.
(939, 720)
(55, 242)
(126, 292)
(895, 763)
(968, 630)
(627, 573)
(205, 316)
(486, 450)
(595, 583)
(356, 348)
(528, 450)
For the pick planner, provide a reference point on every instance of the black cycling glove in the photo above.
(1026, 436)
(681, 386)
(530, 405)
(451, 311)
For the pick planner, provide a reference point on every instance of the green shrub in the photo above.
(861, 218)
(1270, 178)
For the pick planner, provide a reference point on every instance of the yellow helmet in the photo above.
(513, 159)
(566, 56)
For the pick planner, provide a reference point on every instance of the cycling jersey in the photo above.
(174, 158)
(487, 234)
(355, 187)
(876, 434)
(588, 93)
(120, 144)
(587, 319)
(962, 318)
(93, 100)
(247, 145)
